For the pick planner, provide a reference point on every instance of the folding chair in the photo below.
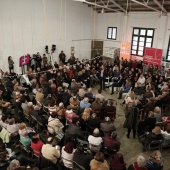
(156, 144)
(76, 166)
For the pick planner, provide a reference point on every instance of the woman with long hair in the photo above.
(10, 63)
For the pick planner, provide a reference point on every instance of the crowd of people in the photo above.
(57, 100)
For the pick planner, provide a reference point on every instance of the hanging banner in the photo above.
(24, 60)
(125, 50)
(153, 56)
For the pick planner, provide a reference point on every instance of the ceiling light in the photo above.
(102, 11)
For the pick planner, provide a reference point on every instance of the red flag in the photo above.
(24, 60)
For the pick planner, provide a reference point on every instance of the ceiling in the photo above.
(129, 5)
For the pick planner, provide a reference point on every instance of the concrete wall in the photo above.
(26, 26)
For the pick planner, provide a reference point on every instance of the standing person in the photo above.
(102, 77)
(62, 57)
(10, 63)
(131, 117)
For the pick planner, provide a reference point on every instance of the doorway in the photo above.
(96, 48)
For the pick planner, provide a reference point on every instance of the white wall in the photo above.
(26, 26)
(125, 26)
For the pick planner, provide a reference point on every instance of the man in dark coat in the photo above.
(62, 57)
(81, 158)
(131, 116)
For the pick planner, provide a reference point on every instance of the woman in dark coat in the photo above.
(131, 117)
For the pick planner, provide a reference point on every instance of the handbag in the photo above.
(125, 125)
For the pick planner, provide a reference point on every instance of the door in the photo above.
(96, 48)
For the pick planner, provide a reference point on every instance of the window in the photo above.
(141, 38)
(112, 33)
(168, 52)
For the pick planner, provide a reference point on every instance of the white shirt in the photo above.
(101, 97)
(95, 140)
(141, 80)
(166, 135)
(67, 156)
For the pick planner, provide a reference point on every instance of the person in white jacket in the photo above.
(54, 124)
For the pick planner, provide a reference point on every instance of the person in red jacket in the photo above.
(140, 164)
(36, 144)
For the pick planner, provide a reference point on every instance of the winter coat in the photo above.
(132, 117)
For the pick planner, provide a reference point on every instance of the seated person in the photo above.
(24, 134)
(60, 112)
(99, 162)
(84, 119)
(119, 83)
(74, 102)
(166, 135)
(117, 162)
(140, 164)
(5, 135)
(148, 124)
(110, 108)
(69, 114)
(93, 123)
(12, 127)
(100, 96)
(153, 136)
(82, 158)
(15, 164)
(39, 96)
(141, 81)
(125, 88)
(52, 106)
(55, 126)
(155, 161)
(67, 153)
(4, 121)
(49, 152)
(81, 92)
(74, 129)
(111, 143)
(85, 103)
(36, 144)
(90, 95)
(95, 141)
(107, 127)
(96, 105)
(157, 114)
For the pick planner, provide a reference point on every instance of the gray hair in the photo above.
(141, 161)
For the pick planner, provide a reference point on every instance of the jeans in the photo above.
(122, 91)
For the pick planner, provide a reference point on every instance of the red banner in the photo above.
(24, 60)
(152, 56)
(125, 50)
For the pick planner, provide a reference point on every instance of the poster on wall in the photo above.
(152, 56)
(125, 50)
(24, 60)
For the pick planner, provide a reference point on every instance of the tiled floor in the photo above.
(131, 148)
